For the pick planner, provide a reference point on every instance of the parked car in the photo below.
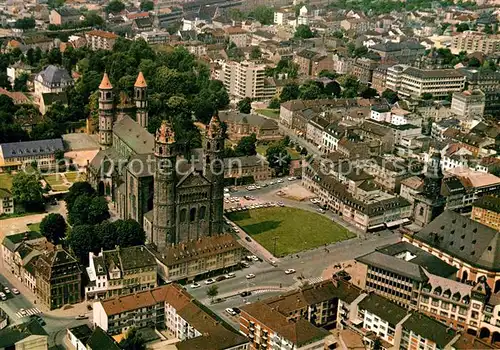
(280, 181)
(230, 311)
(292, 178)
(289, 271)
(230, 275)
(195, 285)
(3, 296)
(281, 204)
(321, 211)
(220, 278)
(209, 281)
(15, 291)
(248, 239)
(244, 264)
(6, 290)
(250, 276)
(237, 310)
(245, 293)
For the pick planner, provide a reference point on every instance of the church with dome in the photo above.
(147, 179)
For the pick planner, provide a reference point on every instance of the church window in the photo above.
(201, 214)
(183, 215)
(217, 147)
(192, 214)
(421, 212)
(108, 95)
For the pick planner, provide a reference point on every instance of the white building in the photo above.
(247, 79)
(282, 15)
(468, 103)
(52, 80)
(6, 202)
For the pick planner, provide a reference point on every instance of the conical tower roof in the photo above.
(140, 82)
(105, 83)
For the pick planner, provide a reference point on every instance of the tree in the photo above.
(82, 240)
(462, 27)
(129, 233)
(310, 91)
(390, 96)
(278, 158)
(290, 92)
(325, 73)
(212, 292)
(303, 32)
(255, 53)
(20, 84)
(76, 190)
(133, 341)
(263, 14)
(147, 5)
(368, 92)
(115, 6)
(474, 62)
(53, 227)
(27, 191)
(88, 210)
(245, 105)
(246, 146)
(274, 103)
(332, 89)
(427, 96)
(25, 23)
(488, 29)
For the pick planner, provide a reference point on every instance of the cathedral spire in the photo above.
(105, 83)
(140, 81)
(165, 133)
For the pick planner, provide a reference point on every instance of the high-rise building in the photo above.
(247, 79)
(476, 42)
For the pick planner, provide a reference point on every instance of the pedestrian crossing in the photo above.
(313, 280)
(28, 312)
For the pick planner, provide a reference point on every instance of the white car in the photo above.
(254, 258)
(321, 211)
(230, 275)
(289, 271)
(3, 296)
(292, 178)
(250, 276)
(279, 181)
(314, 200)
(209, 281)
(6, 290)
(15, 291)
(230, 311)
(271, 183)
(195, 285)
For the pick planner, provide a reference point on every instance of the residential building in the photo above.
(379, 77)
(389, 172)
(240, 125)
(120, 271)
(155, 37)
(219, 253)
(486, 210)
(362, 68)
(410, 187)
(401, 52)
(6, 202)
(168, 307)
(415, 82)
(468, 103)
(100, 40)
(16, 155)
(476, 42)
(321, 63)
(304, 59)
(238, 36)
(58, 278)
(282, 16)
(315, 129)
(17, 69)
(247, 79)
(488, 82)
(12, 244)
(356, 25)
(52, 79)
(29, 335)
(64, 15)
(84, 338)
(49, 98)
(246, 169)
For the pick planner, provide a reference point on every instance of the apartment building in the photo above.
(488, 82)
(486, 210)
(168, 307)
(6, 202)
(238, 36)
(388, 172)
(120, 271)
(414, 82)
(402, 52)
(282, 16)
(247, 79)
(64, 15)
(242, 170)
(52, 79)
(476, 42)
(468, 103)
(100, 40)
(17, 155)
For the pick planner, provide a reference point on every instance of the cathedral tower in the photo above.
(141, 102)
(214, 170)
(164, 187)
(106, 110)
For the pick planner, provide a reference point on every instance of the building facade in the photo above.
(468, 103)
(100, 40)
(476, 42)
(247, 79)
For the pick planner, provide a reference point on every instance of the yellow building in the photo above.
(487, 211)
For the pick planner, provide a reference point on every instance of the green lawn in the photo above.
(261, 149)
(54, 179)
(295, 229)
(75, 176)
(6, 181)
(59, 188)
(34, 227)
(271, 113)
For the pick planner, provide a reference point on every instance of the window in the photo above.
(201, 214)
(192, 214)
(183, 215)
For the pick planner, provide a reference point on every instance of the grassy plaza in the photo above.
(293, 229)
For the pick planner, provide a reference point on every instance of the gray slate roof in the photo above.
(31, 148)
(135, 136)
(55, 75)
(383, 308)
(252, 119)
(463, 238)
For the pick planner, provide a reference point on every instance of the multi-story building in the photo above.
(155, 37)
(315, 130)
(476, 42)
(362, 68)
(168, 307)
(410, 187)
(402, 52)
(84, 338)
(17, 155)
(468, 103)
(238, 36)
(6, 202)
(247, 79)
(331, 136)
(64, 15)
(246, 169)
(120, 271)
(488, 82)
(186, 261)
(52, 79)
(415, 82)
(304, 59)
(100, 40)
(282, 16)
(388, 172)
(13, 243)
(486, 210)
(58, 278)
(240, 125)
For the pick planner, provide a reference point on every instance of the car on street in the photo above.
(15, 291)
(195, 285)
(292, 178)
(220, 278)
(3, 296)
(289, 271)
(237, 310)
(248, 239)
(281, 204)
(40, 320)
(6, 290)
(255, 258)
(250, 276)
(244, 264)
(209, 281)
(251, 188)
(280, 181)
(230, 311)
(81, 317)
(230, 275)
(314, 200)
(271, 183)
(23, 312)
(321, 211)
(245, 293)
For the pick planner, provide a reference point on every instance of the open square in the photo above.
(295, 229)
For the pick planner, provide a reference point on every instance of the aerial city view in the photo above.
(249, 174)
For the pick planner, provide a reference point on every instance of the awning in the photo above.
(375, 227)
(397, 222)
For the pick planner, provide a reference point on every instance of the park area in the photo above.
(293, 229)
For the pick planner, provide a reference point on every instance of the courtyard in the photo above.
(292, 229)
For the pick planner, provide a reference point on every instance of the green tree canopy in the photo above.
(246, 146)
(303, 32)
(129, 233)
(390, 95)
(133, 341)
(53, 227)
(25, 23)
(76, 190)
(147, 5)
(427, 96)
(115, 6)
(263, 14)
(27, 191)
(290, 92)
(245, 105)
(82, 240)
(88, 210)
(462, 27)
(212, 292)
(278, 158)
